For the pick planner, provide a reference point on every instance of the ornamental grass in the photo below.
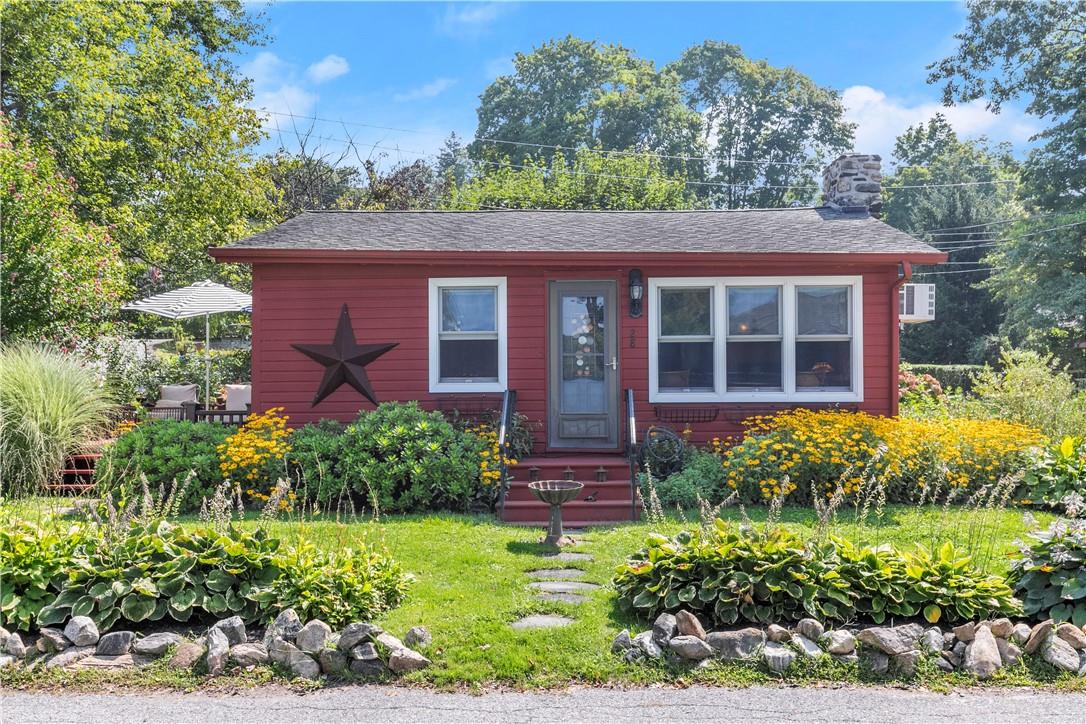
(800, 454)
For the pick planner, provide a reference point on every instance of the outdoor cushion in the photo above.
(177, 394)
(239, 397)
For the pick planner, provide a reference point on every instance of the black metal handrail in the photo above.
(505, 425)
(632, 449)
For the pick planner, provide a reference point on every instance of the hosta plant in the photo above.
(1050, 572)
(159, 570)
(33, 563)
(1056, 472)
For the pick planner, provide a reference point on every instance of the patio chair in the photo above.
(239, 397)
(171, 401)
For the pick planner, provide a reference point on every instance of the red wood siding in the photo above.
(299, 303)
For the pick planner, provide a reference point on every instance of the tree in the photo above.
(766, 128)
(147, 113)
(403, 187)
(61, 278)
(1035, 50)
(588, 180)
(576, 93)
(452, 165)
(967, 317)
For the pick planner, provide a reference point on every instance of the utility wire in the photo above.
(958, 271)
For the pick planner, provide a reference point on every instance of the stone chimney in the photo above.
(854, 183)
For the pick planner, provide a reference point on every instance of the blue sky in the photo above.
(419, 67)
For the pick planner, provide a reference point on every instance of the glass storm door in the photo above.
(583, 365)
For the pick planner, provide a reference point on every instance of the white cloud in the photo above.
(287, 99)
(428, 90)
(331, 66)
(266, 69)
(471, 19)
(881, 119)
(498, 67)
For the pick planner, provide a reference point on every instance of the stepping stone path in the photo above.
(557, 584)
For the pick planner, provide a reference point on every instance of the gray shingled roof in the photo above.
(794, 230)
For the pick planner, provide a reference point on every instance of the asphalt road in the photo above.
(697, 704)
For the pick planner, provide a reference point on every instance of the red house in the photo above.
(703, 318)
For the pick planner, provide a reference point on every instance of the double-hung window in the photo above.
(749, 339)
(467, 335)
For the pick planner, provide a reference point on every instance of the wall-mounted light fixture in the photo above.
(637, 292)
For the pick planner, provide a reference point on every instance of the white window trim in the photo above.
(789, 393)
(435, 286)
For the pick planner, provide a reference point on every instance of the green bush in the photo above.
(164, 451)
(33, 564)
(314, 460)
(702, 478)
(156, 570)
(949, 376)
(51, 406)
(771, 576)
(399, 458)
(1055, 472)
(355, 584)
(1050, 572)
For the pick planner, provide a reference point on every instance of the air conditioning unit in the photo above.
(916, 303)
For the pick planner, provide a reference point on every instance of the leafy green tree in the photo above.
(1037, 51)
(148, 114)
(588, 180)
(967, 317)
(61, 278)
(303, 181)
(578, 93)
(755, 111)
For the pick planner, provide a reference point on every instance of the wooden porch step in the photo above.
(612, 490)
(585, 467)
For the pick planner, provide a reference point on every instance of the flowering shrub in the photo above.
(1050, 572)
(910, 383)
(789, 453)
(249, 454)
(490, 459)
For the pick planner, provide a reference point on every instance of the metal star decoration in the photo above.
(344, 360)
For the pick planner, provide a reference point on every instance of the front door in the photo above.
(583, 365)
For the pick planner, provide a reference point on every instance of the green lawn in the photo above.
(472, 582)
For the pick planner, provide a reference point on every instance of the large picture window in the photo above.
(781, 338)
(467, 335)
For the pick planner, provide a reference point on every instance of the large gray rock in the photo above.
(689, 625)
(1009, 653)
(82, 631)
(965, 632)
(405, 660)
(622, 642)
(218, 648)
(333, 662)
(1020, 633)
(647, 646)
(418, 637)
(368, 668)
(932, 640)
(115, 643)
(1001, 627)
(778, 657)
(663, 628)
(1037, 636)
(982, 657)
(52, 640)
(233, 628)
(69, 656)
(777, 634)
(302, 665)
(807, 647)
(738, 645)
(388, 642)
(312, 637)
(4, 633)
(156, 644)
(286, 625)
(810, 628)
(249, 654)
(15, 646)
(365, 652)
(187, 654)
(838, 642)
(356, 633)
(1059, 653)
(874, 661)
(904, 664)
(279, 649)
(891, 640)
(690, 648)
(1073, 635)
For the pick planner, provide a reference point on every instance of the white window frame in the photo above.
(788, 393)
(436, 284)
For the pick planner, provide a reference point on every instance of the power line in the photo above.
(990, 223)
(958, 271)
(968, 243)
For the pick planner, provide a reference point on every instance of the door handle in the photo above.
(614, 364)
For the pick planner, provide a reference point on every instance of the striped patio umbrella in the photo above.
(201, 299)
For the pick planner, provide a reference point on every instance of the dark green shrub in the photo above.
(314, 460)
(164, 451)
(33, 564)
(702, 477)
(769, 576)
(1050, 572)
(399, 458)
